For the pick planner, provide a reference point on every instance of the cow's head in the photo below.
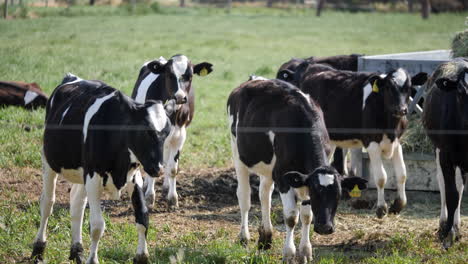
(151, 128)
(178, 72)
(325, 185)
(395, 88)
(461, 86)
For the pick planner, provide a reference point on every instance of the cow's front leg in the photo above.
(400, 173)
(266, 229)
(150, 194)
(49, 181)
(243, 196)
(290, 213)
(141, 219)
(77, 207)
(446, 233)
(380, 177)
(175, 145)
(460, 181)
(93, 190)
(305, 247)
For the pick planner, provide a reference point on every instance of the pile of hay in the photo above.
(414, 139)
(460, 44)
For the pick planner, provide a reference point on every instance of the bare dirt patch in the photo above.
(208, 203)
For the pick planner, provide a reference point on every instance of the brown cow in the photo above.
(27, 95)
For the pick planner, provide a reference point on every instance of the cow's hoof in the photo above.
(305, 255)
(76, 253)
(244, 239)
(397, 206)
(92, 261)
(173, 203)
(458, 235)
(289, 260)
(382, 211)
(264, 239)
(37, 255)
(141, 259)
(449, 239)
(150, 200)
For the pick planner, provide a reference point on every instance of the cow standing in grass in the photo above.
(445, 119)
(164, 80)
(279, 134)
(366, 110)
(27, 95)
(96, 137)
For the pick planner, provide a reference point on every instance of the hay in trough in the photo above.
(415, 140)
(460, 44)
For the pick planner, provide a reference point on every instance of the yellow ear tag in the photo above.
(355, 192)
(375, 88)
(203, 72)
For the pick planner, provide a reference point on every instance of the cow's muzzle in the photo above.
(325, 229)
(400, 112)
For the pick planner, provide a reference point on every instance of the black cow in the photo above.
(366, 110)
(27, 95)
(279, 134)
(96, 137)
(445, 119)
(163, 80)
(294, 68)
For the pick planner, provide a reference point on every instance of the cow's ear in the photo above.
(348, 183)
(156, 66)
(203, 68)
(170, 107)
(296, 179)
(285, 75)
(377, 82)
(446, 85)
(419, 79)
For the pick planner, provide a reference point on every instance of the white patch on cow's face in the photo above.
(64, 113)
(144, 86)
(157, 116)
(29, 96)
(307, 96)
(367, 90)
(133, 158)
(400, 77)
(179, 65)
(326, 179)
(92, 110)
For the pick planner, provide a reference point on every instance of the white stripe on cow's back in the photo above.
(64, 113)
(367, 91)
(144, 86)
(157, 116)
(400, 77)
(29, 96)
(78, 79)
(466, 78)
(92, 110)
(326, 179)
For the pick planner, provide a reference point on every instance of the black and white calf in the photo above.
(96, 137)
(279, 134)
(445, 118)
(163, 80)
(366, 110)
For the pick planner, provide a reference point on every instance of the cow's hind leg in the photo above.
(93, 190)
(49, 178)
(290, 212)
(243, 196)
(447, 234)
(141, 219)
(460, 181)
(305, 247)
(400, 173)
(266, 229)
(380, 177)
(77, 207)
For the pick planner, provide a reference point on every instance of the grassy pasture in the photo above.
(111, 47)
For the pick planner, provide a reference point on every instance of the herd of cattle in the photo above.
(285, 130)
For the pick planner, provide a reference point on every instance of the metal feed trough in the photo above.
(421, 169)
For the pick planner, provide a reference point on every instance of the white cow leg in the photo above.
(332, 151)
(150, 194)
(141, 219)
(356, 162)
(93, 190)
(266, 229)
(380, 177)
(49, 180)
(345, 161)
(400, 173)
(290, 212)
(77, 207)
(443, 204)
(305, 247)
(243, 196)
(175, 146)
(460, 180)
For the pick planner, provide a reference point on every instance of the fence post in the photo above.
(425, 9)
(320, 5)
(5, 10)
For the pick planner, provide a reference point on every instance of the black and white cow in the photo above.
(445, 119)
(96, 137)
(366, 110)
(279, 134)
(163, 80)
(27, 95)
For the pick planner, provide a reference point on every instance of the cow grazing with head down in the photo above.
(163, 80)
(445, 119)
(96, 137)
(27, 95)
(366, 110)
(279, 134)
